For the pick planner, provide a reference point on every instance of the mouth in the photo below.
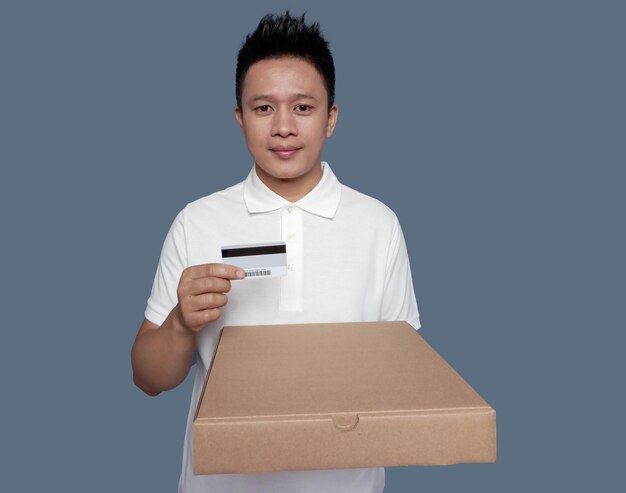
(285, 151)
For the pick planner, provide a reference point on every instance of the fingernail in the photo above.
(240, 274)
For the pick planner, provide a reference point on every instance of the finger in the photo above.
(207, 285)
(206, 301)
(224, 271)
(204, 317)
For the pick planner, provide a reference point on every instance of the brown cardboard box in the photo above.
(326, 396)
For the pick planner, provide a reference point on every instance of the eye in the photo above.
(264, 108)
(304, 108)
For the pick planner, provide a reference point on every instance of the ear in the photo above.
(239, 117)
(332, 120)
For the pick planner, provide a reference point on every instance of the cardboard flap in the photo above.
(346, 422)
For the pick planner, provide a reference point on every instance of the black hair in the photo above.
(283, 35)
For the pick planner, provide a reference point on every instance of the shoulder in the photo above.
(228, 199)
(366, 207)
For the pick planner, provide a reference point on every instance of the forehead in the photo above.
(281, 76)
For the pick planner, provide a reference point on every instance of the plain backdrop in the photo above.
(494, 129)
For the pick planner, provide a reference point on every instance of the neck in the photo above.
(291, 189)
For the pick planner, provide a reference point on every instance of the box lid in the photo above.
(312, 369)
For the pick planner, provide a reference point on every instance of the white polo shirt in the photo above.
(347, 262)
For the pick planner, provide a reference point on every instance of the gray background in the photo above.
(495, 130)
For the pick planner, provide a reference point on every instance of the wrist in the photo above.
(178, 329)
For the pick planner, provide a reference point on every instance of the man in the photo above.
(347, 259)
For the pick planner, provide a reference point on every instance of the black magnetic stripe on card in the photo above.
(250, 251)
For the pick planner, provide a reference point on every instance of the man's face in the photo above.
(285, 119)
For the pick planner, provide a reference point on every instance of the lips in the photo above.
(285, 151)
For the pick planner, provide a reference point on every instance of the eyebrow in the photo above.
(269, 97)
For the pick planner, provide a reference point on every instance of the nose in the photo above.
(284, 124)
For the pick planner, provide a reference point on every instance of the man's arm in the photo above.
(162, 356)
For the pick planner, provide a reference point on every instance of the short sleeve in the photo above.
(172, 262)
(399, 297)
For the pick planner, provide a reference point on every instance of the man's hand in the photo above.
(201, 293)
(162, 356)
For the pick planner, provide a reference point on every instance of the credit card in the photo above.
(258, 261)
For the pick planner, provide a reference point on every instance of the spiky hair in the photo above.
(279, 35)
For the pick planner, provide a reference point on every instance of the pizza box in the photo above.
(327, 396)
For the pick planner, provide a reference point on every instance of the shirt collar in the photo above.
(323, 200)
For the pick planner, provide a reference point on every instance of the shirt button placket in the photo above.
(291, 285)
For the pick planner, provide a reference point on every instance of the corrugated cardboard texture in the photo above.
(318, 396)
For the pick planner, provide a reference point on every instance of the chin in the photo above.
(285, 172)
